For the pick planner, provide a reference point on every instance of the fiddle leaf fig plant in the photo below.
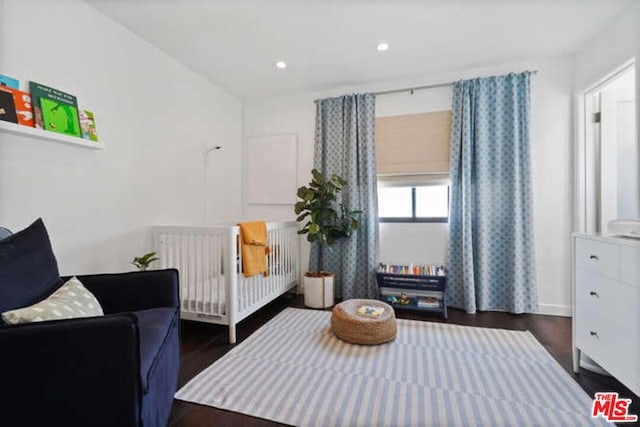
(142, 262)
(325, 218)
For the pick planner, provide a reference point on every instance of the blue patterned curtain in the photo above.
(491, 262)
(345, 145)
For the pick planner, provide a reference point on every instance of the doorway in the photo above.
(611, 158)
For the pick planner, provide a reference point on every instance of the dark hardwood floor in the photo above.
(203, 344)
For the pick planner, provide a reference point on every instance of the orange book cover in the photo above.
(22, 101)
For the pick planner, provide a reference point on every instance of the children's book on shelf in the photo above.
(22, 103)
(54, 110)
(370, 311)
(88, 125)
(7, 107)
(9, 82)
(428, 302)
(413, 269)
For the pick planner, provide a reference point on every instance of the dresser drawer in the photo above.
(614, 345)
(630, 265)
(598, 296)
(598, 257)
(592, 337)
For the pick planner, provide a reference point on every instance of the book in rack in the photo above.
(415, 269)
(428, 302)
(54, 110)
(21, 105)
(8, 107)
(7, 81)
(87, 125)
(414, 291)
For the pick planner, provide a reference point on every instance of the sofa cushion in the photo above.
(154, 325)
(69, 301)
(28, 268)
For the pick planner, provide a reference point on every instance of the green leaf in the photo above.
(147, 257)
(317, 177)
(302, 192)
(299, 207)
(337, 182)
(314, 228)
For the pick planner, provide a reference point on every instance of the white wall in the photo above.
(551, 158)
(615, 44)
(154, 116)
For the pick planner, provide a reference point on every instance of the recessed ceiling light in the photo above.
(281, 64)
(382, 46)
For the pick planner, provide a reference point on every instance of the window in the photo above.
(412, 161)
(426, 203)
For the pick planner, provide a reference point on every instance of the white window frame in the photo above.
(413, 182)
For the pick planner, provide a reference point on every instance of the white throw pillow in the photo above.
(71, 300)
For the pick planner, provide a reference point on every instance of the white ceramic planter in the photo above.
(319, 291)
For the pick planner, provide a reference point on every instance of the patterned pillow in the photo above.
(71, 300)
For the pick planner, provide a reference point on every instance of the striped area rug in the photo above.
(294, 371)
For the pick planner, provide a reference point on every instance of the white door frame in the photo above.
(584, 134)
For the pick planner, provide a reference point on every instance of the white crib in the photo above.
(212, 286)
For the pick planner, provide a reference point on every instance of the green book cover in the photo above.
(54, 110)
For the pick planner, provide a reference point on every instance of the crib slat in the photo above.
(220, 278)
(212, 272)
(199, 271)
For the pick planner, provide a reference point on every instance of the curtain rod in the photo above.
(413, 89)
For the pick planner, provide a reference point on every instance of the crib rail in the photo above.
(283, 267)
(212, 285)
(198, 253)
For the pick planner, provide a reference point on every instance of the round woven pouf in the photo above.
(354, 328)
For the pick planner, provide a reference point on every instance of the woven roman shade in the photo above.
(413, 146)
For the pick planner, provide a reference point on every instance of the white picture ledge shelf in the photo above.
(15, 129)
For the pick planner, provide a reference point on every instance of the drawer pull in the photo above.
(594, 294)
(595, 257)
(594, 334)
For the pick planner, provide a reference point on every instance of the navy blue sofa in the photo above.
(120, 369)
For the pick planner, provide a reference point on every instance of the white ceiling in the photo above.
(330, 43)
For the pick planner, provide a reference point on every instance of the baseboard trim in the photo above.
(554, 310)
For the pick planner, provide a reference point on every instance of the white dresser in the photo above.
(606, 305)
